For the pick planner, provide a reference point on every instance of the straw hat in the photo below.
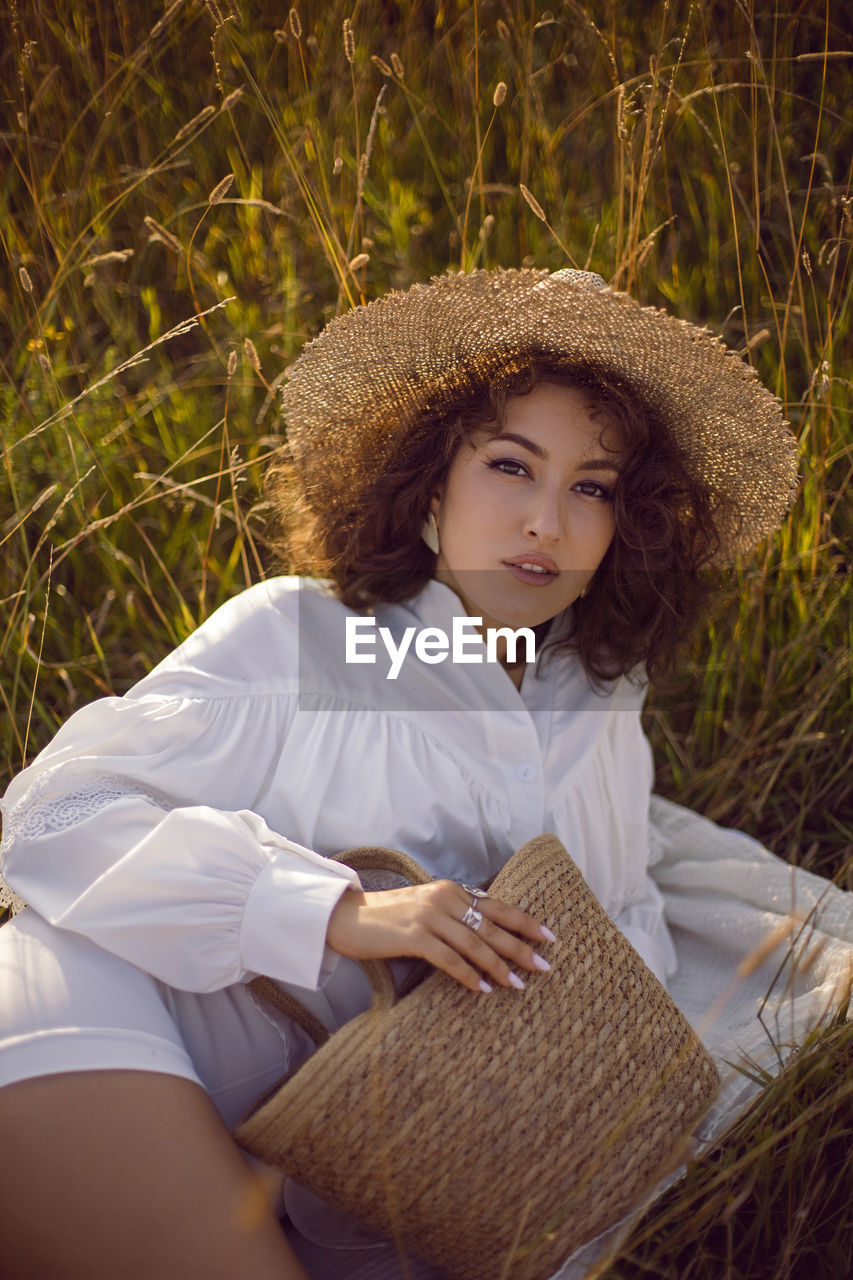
(372, 374)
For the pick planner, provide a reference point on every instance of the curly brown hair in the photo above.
(647, 595)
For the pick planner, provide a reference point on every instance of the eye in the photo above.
(594, 489)
(508, 466)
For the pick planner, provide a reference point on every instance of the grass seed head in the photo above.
(225, 11)
(159, 230)
(499, 96)
(360, 260)
(252, 354)
(26, 282)
(295, 24)
(191, 125)
(349, 40)
(232, 363)
(382, 65)
(847, 213)
(533, 202)
(397, 64)
(221, 189)
(114, 255)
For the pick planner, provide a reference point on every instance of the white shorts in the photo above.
(68, 1005)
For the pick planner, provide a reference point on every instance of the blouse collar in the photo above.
(437, 604)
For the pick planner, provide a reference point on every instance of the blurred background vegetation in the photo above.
(191, 191)
(255, 170)
(263, 169)
(234, 160)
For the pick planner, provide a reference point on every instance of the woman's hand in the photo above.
(425, 920)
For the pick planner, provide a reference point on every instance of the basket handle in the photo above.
(379, 972)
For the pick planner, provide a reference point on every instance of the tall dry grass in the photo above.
(186, 200)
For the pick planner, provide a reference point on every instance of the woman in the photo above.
(529, 451)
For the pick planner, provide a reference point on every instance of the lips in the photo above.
(536, 570)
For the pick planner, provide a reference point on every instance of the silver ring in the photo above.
(474, 891)
(472, 918)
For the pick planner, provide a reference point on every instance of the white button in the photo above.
(524, 772)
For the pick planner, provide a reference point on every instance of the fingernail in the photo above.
(484, 987)
(547, 934)
(540, 962)
(515, 981)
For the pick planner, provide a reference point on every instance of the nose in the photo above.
(545, 519)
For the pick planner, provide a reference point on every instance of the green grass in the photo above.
(773, 1198)
(699, 155)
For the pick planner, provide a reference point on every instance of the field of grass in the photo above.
(190, 191)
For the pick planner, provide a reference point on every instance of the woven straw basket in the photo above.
(493, 1135)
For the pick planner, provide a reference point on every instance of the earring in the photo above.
(429, 533)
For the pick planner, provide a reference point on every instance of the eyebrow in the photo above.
(590, 464)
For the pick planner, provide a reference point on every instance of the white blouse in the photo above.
(188, 827)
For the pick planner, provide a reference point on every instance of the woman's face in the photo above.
(525, 517)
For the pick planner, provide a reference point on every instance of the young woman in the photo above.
(490, 453)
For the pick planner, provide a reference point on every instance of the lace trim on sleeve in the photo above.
(9, 900)
(67, 795)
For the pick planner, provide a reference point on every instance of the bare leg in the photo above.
(131, 1174)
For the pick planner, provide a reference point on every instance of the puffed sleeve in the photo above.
(135, 827)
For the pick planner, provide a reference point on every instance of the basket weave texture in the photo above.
(493, 1135)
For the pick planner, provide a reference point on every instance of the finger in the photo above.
(447, 958)
(501, 937)
(497, 953)
(446, 893)
(515, 920)
(510, 921)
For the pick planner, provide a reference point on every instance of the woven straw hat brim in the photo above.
(357, 390)
(515, 1126)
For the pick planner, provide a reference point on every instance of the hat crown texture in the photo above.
(359, 388)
